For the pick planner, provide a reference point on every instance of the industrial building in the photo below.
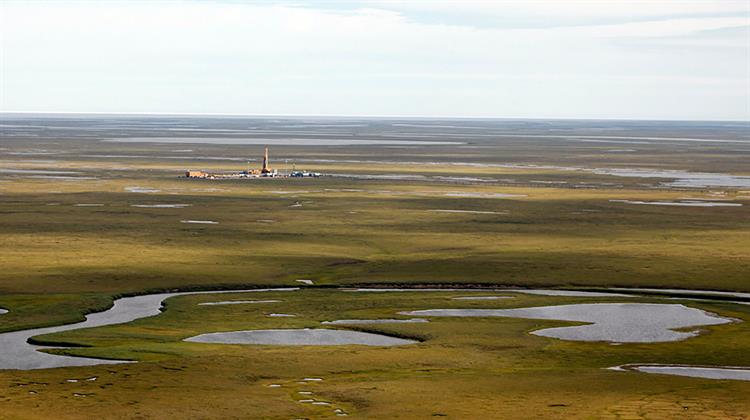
(265, 172)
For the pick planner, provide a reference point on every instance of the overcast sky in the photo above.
(532, 59)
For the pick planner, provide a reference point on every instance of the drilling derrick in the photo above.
(266, 169)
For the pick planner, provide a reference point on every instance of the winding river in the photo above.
(17, 353)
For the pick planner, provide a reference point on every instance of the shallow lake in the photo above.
(734, 373)
(682, 203)
(682, 179)
(300, 337)
(614, 322)
(279, 141)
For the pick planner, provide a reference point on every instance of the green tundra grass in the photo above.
(523, 225)
(271, 232)
(462, 368)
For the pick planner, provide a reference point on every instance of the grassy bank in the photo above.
(467, 368)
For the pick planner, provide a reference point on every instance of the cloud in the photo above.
(546, 13)
(374, 58)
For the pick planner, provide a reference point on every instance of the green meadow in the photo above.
(72, 243)
(461, 368)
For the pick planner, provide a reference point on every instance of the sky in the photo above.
(683, 60)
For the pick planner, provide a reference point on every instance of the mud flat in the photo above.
(467, 211)
(706, 372)
(613, 322)
(301, 337)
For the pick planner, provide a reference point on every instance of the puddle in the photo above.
(143, 190)
(483, 195)
(469, 211)
(375, 321)
(732, 373)
(482, 297)
(63, 178)
(307, 282)
(274, 315)
(203, 222)
(161, 206)
(614, 322)
(3, 311)
(684, 203)
(548, 182)
(208, 189)
(88, 205)
(303, 337)
(237, 302)
(17, 353)
(464, 179)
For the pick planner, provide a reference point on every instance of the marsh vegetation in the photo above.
(537, 204)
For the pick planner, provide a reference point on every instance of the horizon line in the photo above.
(366, 116)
